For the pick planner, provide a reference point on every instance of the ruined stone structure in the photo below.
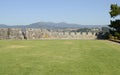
(11, 33)
(3, 33)
(15, 33)
(30, 34)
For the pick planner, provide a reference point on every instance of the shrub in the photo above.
(117, 35)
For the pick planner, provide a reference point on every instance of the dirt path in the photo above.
(112, 42)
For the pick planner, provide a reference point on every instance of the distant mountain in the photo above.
(3, 26)
(52, 25)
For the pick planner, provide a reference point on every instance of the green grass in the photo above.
(59, 57)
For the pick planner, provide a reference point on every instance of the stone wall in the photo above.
(11, 33)
(15, 33)
(45, 34)
(29, 34)
(3, 33)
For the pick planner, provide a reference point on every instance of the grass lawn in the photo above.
(59, 57)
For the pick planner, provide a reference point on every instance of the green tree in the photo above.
(115, 10)
(115, 24)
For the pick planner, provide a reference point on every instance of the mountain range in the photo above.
(52, 25)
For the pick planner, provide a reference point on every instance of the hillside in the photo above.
(52, 25)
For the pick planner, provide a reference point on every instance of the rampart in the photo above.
(29, 34)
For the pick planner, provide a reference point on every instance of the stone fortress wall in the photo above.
(29, 34)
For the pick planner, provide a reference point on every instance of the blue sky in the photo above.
(85, 12)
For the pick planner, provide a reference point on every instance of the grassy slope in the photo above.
(59, 57)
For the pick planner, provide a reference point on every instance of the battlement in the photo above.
(29, 33)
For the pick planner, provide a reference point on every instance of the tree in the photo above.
(115, 10)
(104, 33)
(115, 24)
